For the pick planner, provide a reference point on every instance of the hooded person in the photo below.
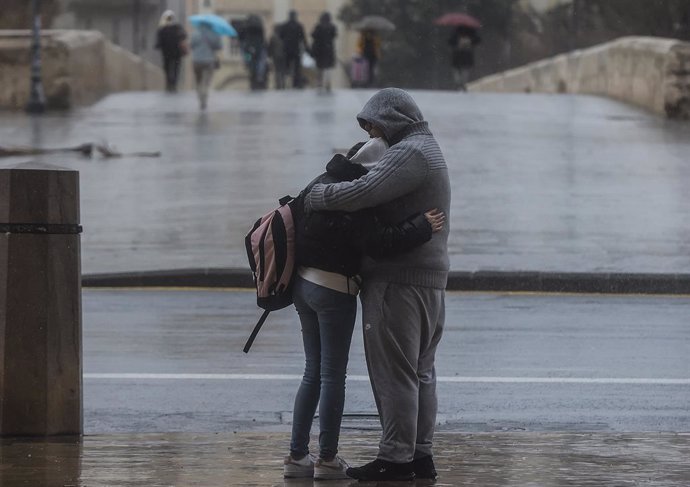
(403, 294)
(329, 248)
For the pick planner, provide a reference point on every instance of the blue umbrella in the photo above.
(217, 23)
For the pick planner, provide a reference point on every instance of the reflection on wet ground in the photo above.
(540, 182)
(255, 459)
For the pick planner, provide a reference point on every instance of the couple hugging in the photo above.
(378, 214)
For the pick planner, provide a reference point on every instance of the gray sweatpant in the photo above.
(402, 327)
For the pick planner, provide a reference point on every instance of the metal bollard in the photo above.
(40, 302)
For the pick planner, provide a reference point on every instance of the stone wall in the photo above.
(78, 68)
(653, 73)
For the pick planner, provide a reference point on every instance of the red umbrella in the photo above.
(458, 19)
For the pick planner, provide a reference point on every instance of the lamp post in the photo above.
(36, 102)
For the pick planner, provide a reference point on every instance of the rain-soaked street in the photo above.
(255, 460)
(569, 390)
(562, 390)
(540, 182)
(172, 361)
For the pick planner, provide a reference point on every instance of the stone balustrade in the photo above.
(78, 68)
(649, 72)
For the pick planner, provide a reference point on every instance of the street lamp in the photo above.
(37, 102)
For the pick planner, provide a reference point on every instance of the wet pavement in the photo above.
(209, 460)
(540, 182)
(164, 361)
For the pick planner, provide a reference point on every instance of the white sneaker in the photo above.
(298, 469)
(335, 469)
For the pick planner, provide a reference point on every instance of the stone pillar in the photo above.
(40, 302)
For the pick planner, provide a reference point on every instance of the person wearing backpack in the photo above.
(400, 344)
(329, 249)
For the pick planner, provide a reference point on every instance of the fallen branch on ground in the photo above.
(86, 150)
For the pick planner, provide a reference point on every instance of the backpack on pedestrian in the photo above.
(270, 248)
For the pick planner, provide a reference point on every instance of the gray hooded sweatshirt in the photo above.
(410, 177)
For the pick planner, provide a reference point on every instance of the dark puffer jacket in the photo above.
(336, 241)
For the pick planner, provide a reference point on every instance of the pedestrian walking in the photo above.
(254, 51)
(402, 295)
(323, 50)
(205, 44)
(276, 52)
(171, 41)
(369, 48)
(462, 42)
(329, 248)
(294, 43)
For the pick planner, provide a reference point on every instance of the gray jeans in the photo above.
(402, 327)
(203, 74)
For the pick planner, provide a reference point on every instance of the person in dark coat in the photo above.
(170, 39)
(323, 49)
(276, 51)
(254, 50)
(294, 43)
(462, 43)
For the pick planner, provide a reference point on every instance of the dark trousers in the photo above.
(293, 62)
(372, 71)
(171, 67)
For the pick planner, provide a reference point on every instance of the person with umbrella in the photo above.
(170, 39)
(369, 47)
(462, 42)
(205, 43)
(369, 42)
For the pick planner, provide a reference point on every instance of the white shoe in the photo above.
(333, 470)
(298, 469)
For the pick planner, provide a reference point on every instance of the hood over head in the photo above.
(392, 110)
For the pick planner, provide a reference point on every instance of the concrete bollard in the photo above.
(40, 302)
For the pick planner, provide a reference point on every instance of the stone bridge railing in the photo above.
(78, 68)
(650, 72)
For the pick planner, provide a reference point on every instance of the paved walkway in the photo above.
(540, 182)
(210, 460)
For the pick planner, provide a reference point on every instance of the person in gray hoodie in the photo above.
(403, 295)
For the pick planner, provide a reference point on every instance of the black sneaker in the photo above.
(424, 468)
(380, 470)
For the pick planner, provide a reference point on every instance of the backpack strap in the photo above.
(255, 331)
